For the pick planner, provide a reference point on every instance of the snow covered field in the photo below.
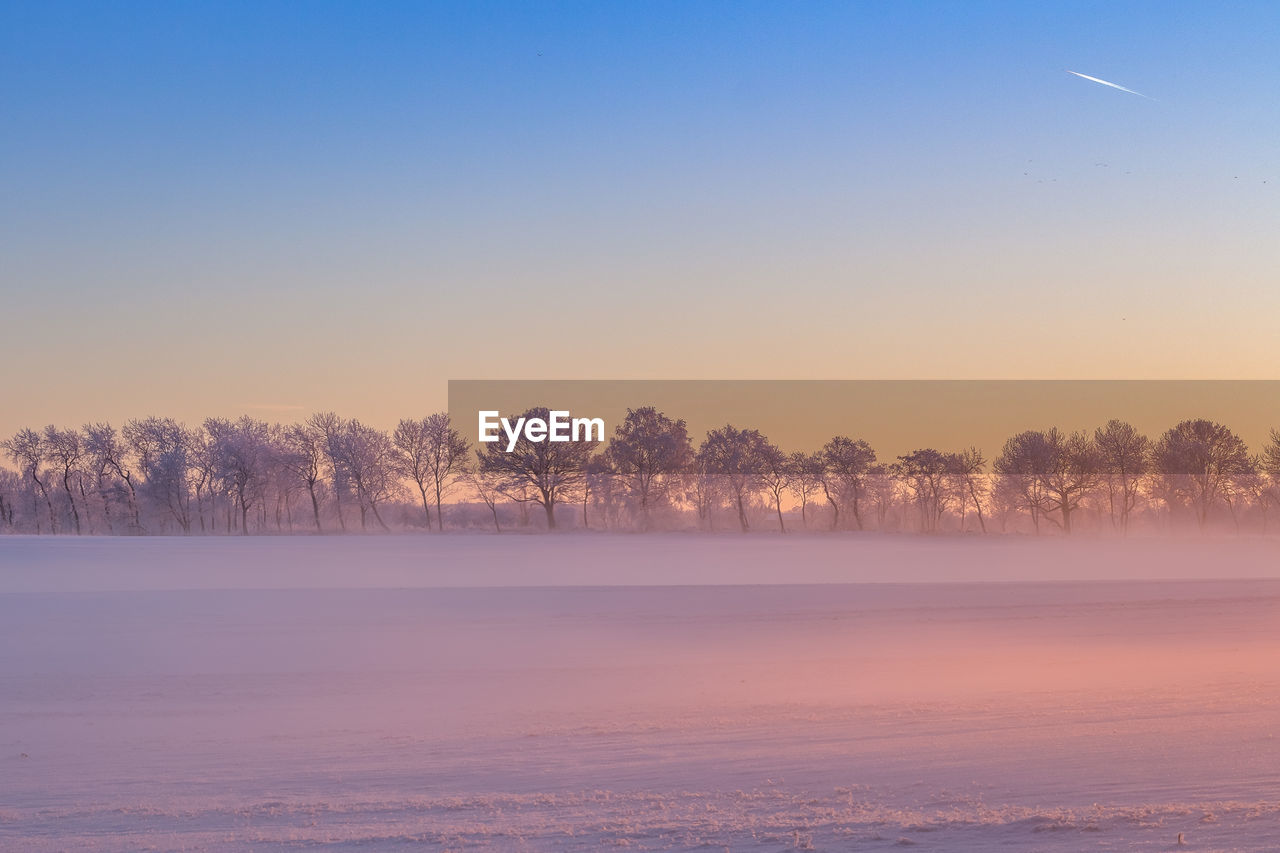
(667, 692)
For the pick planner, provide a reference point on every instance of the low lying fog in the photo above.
(118, 563)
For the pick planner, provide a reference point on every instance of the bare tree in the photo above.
(109, 455)
(776, 475)
(847, 463)
(648, 452)
(331, 429)
(1196, 459)
(412, 451)
(160, 446)
(487, 485)
(704, 489)
(204, 475)
(27, 450)
(596, 475)
(1270, 461)
(10, 487)
(1022, 468)
(368, 457)
(736, 457)
(448, 460)
(1073, 471)
(64, 450)
(434, 455)
(882, 491)
(1246, 483)
(543, 472)
(158, 473)
(1125, 456)
(925, 473)
(241, 450)
(806, 480)
(301, 453)
(970, 483)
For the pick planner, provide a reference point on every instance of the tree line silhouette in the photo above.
(331, 474)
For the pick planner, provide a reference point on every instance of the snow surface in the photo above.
(645, 693)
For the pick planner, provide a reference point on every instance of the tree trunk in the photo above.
(977, 505)
(106, 507)
(315, 505)
(66, 486)
(53, 522)
(835, 507)
(425, 508)
(378, 517)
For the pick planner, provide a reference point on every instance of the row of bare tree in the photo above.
(156, 475)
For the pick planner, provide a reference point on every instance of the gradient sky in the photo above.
(250, 207)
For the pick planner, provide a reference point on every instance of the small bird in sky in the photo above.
(1112, 85)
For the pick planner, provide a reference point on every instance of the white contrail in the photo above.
(1112, 85)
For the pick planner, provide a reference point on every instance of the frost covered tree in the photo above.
(1074, 470)
(737, 458)
(412, 451)
(703, 489)
(1125, 458)
(648, 453)
(1197, 459)
(301, 454)
(542, 472)
(110, 458)
(925, 473)
(10, 488)
(448, 460)
(27, 450)
(160, 447)
(882, 491)
(970, 483)
(488, 487)
(1270, 461)
(806, 480)
(434, 455)
(846, 463)
(1268, 464)
(240, 451)
(367, 456)
(776, 475)
(64, 450)
(1051, 472)
(1021, 470)
(231, 475)
(330, 429)
(204, 477)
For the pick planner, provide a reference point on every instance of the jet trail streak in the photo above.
(1112, 85)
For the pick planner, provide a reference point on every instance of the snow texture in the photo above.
(581, 693)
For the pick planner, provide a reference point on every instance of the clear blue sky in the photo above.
(212, 207)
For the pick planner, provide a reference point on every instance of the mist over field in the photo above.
(45, 564)
(683, 692)
(965, 537)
